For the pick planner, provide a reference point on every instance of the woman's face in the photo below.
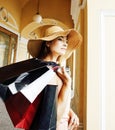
(58, 46)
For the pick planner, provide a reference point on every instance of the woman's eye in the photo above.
(60, 39)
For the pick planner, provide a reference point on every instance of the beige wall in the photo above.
(26, 18)
(15, 11)
(13, 7)
(101, 65)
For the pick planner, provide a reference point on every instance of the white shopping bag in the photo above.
(32, 90)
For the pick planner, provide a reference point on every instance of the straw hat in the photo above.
(74, 40)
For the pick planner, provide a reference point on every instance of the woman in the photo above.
(56, 46)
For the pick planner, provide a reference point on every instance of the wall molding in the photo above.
(7, 18)
(9, 29)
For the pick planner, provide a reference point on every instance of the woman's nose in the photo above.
(65, 44)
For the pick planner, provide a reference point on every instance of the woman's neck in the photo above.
(51, 58)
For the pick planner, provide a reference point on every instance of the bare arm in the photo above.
(64, 93)
(62, 99)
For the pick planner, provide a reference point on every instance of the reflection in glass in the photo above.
(7, 48)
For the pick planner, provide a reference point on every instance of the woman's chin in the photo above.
(62, 53)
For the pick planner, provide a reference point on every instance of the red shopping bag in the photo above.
(21, 111)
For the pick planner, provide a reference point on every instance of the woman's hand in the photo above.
(65, 77)
(73, 120)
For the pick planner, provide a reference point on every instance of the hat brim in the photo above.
(74, 41)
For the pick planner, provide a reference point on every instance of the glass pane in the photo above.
(4, 48)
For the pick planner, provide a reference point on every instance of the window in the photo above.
(8, 47)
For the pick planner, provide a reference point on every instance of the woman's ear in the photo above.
(48, 43)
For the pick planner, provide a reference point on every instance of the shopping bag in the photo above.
(9, 72)
(46, 116)
(24, 99)
(21, 111)
(30, 91)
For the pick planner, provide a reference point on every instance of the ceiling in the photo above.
(23, 3)
(53, 9)
(54, 12)
(66, 11)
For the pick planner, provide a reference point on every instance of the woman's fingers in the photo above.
(73, 121)
(63, 74)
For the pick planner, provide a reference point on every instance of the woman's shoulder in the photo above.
(43, 62)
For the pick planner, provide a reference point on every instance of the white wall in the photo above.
(101, 65)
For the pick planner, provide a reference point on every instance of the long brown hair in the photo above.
(44, 50)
